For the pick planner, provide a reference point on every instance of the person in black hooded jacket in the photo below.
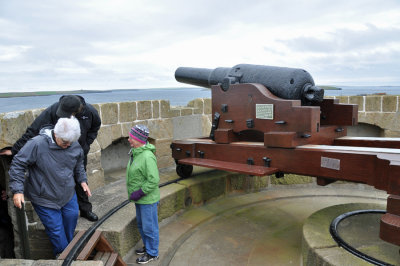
(90, 123)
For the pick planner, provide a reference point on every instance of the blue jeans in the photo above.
(147, 222)
(59, 224)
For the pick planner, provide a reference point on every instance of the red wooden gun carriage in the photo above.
(273, 120)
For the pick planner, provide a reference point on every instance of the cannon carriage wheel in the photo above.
(184, 170)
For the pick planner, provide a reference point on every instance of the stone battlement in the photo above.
(378, 110)
(164, 122)
(378, 115)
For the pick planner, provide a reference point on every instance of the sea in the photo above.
(176, 96)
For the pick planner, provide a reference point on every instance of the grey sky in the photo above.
(102, 44)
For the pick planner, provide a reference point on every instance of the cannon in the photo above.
(284, 82)
(264, 123)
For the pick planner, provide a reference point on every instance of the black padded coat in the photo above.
(88, 118)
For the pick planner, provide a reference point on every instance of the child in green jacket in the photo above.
(142, 180)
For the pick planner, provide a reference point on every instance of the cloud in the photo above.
(12, 52)
(100, 44)
(348, 40)
(366, 53)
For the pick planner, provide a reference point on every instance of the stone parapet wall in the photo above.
(164, 122)
(167, 123)
(378, 110)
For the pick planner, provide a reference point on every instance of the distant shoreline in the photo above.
(176, 96)
(325, 87)
(46, 93)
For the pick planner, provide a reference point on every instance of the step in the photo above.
(96, 248)
(108, 258)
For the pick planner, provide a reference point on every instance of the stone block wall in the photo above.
(167, 123)
(164, 122)
(377, 110)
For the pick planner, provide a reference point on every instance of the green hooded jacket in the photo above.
(142, 173)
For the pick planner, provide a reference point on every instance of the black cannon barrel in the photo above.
(284, 82)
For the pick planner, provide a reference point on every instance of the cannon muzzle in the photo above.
(284, 82)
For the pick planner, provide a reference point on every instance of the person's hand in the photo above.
(6, 152)
(18, 199)
(4, 195)
(137, 195)
(86, 188)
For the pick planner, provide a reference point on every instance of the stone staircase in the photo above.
(96, 249)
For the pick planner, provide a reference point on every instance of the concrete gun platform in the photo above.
(272, 225)
(263, 228)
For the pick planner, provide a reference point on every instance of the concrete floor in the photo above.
(263, 228)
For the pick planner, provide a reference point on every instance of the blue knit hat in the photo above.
(139, 133)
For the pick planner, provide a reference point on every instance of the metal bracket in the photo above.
(267, 161)
(226, 82)
(201, 153)
(250, 161)
(214, 125)
(250, 123)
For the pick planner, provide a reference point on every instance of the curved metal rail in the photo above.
(85, 237)
(348, 247)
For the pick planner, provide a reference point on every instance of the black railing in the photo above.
(348, 247)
